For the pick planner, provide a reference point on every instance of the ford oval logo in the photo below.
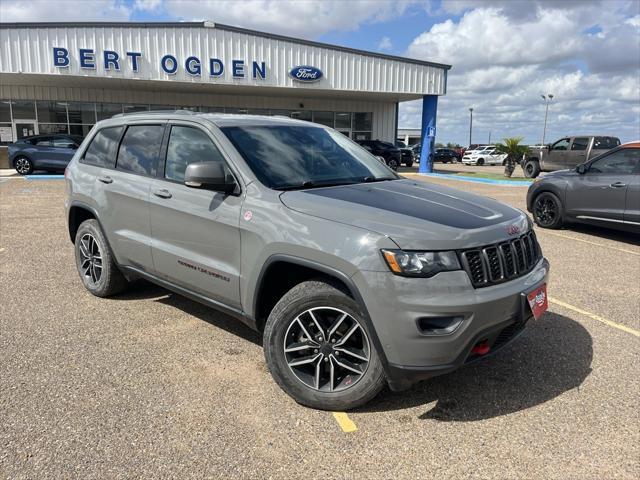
(305, 73)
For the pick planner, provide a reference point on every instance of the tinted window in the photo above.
(42, 142)
(605, 143)
(623, 162)
(103, 147)
(580, 143)
(561, 144)
(139, 149)
(289, 157)
(63, 142)
(188, 145)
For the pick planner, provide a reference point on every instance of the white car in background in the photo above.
(487, 155)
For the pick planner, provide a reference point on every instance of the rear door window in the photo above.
(102, 149)
(139, 149)
(580, 143)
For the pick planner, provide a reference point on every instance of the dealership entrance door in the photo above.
(24, 128)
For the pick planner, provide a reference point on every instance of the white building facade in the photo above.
(62, 78)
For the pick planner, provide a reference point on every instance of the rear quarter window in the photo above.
(102, 149)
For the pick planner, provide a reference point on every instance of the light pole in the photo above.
(470, 124)
(547, 100)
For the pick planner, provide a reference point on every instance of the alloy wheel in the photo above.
(327, 349)
(545, 211)
(90, 259)
(23, 165)
(393, 165)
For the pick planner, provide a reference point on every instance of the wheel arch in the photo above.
(265, 297)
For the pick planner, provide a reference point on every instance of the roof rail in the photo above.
(157, 112)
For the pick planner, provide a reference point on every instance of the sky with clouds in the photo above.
(505, 53)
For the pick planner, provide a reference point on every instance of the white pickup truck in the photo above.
(486, 155)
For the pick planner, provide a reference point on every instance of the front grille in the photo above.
(501, 262)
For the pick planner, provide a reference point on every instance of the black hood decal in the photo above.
(430, 202)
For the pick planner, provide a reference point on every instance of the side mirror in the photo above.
(208, 175)
(581, 169)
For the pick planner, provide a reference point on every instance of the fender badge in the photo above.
(248, 215)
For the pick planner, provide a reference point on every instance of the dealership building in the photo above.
(64, 77)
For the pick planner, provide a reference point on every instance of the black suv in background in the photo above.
(391, 154)
(406, 154)
(446, 155)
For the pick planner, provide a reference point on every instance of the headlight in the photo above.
(420, 264)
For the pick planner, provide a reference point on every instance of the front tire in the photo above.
(547, 210)
(23, 165)
(95, 263)
(393, 164)
(319, 349)
(480, 162)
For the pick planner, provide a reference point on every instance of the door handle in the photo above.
(162, 193)
(618, 185)
(106, 179)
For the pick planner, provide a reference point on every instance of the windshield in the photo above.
(287, 157)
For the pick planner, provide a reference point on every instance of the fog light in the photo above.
(438, 325)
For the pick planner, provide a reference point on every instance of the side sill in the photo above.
(133, 272)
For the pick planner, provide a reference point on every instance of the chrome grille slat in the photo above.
(493, 264)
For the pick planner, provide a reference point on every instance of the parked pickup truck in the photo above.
(568, 152)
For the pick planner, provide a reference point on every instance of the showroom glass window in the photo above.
(188, 145)
(52, 117)
(139, 149)
(324, 118)
(6, 132)
(621, 162)
(102, 150)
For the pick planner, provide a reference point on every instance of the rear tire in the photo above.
(547, 210)
(531, 169)
(23, 165)
(95, 263)
(306, 354)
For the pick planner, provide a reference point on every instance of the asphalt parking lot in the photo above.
(150, 384)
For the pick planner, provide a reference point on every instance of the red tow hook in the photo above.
(481, 348)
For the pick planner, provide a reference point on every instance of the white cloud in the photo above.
(63, 10)
(503, 62)
(305, 19)
(385, 44)
(147, 5)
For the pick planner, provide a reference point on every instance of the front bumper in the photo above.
(495, 314)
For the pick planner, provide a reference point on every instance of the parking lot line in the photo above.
(598, 318)
(345, 422)
(546, 232)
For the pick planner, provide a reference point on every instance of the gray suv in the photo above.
(356, 277)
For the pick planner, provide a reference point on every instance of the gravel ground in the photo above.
(149, 384)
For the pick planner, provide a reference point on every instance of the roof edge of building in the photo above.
(220, 26)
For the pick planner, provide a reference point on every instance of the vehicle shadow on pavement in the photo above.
(605, 233)
(143, 290)
(551, 357)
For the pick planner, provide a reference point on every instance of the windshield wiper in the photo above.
(310, 184)
(374, 179)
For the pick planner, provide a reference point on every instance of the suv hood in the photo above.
(415, 215)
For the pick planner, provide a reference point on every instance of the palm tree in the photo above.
(515, 152)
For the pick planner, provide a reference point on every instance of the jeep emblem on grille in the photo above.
(513, 229)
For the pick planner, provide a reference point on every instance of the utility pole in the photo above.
(547, 100)
(489, 137)
(470, 124)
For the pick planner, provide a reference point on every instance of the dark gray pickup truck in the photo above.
(568, 152)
